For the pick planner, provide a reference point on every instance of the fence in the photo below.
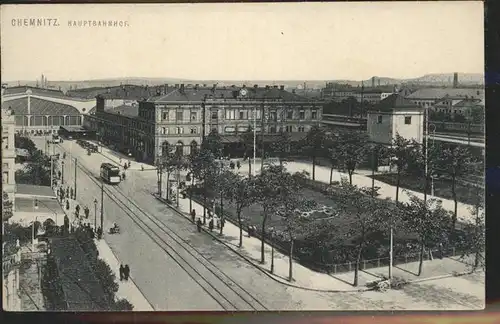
(399, 259)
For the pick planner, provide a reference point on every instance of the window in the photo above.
(301, 129)
(272, 129)
(179, 115)
(314, 114)
(194, 130)
(273, 116)
(243, 114)
(407, 120)
(5, 177)
(214, 115)
(230, 114)
(289, 114)
(302, 115)
(379, 119)
(289, 129)
(164, 130)
(164, 115)
(193, 115)
(179, 130)
(230, 129)
(5, 166)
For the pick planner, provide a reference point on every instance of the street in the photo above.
(185, 270)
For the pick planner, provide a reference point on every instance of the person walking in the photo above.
(193, 215)
(211, 224)
(238, 164)
(126, 272)
(198, 224)
(122, 271)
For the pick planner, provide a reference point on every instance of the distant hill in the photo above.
(438, 79)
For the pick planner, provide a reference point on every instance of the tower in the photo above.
(373, 82)
(455, 80)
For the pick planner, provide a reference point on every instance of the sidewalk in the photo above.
(115, 157)
(126, 289)
(308, 279)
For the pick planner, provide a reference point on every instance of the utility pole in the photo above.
(75, 175)
(102, 205)
(51, 171)
(262, 136)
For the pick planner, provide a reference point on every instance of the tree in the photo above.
(213, 143)
(24, 143)
(455, 162)
(36, 171)
(428, 220)
(290, 206)
(313, 145)
(281, 146)
(368, 215)
(220, 183)
(349, 149)
(204, 167)
(6, 207)
(400, 152)
(474, 238)
(241, 194)
(169, 161)
(246, 139)
(107, 279)
(268, 186)
(123, 305)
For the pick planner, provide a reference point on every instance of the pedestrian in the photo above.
(126, 272)
(211, 224)
(440, 247)
(122, 271)
(193, 215)
(238, 165)
(198, 224)
(231, 165)
(222, 223)
(99, 233)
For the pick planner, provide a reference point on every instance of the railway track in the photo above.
(224, 290)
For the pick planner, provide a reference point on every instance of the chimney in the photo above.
(455, 80)
(282, 87)
(373, 82)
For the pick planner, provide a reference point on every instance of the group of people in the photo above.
(124, 272)
(211, 221)
(232, 165)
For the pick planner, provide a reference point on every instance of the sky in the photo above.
(286, 41)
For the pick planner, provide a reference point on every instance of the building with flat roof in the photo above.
(181, 116)
(395, 115)
(430, 96)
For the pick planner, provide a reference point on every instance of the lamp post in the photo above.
(432, 175)
(62, 172)
(75, 175)
(271, 230)
(95, 214)
(35, 207)
(254, 137)
(102, 204)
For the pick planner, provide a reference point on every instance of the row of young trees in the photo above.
(278, 192)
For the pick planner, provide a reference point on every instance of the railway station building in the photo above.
(182, 115)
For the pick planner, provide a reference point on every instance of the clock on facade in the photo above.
(243, 92)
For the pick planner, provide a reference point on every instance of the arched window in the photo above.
(165, 147)
(194, 147)
(179, 148)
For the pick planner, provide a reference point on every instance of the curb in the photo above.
(273, 277)
(279, 280)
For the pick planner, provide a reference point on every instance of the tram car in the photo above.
(110, 173)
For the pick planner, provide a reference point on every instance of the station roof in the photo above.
(34, 91)
(40, 107)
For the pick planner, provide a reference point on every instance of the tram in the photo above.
(56, 139)
(110, 173)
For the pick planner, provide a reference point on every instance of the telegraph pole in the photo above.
(102, 205)
(75, 175)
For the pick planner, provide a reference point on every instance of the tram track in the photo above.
(223, 289)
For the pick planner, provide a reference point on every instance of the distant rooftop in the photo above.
(440, 93)
(394, 101)
(34, 90)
